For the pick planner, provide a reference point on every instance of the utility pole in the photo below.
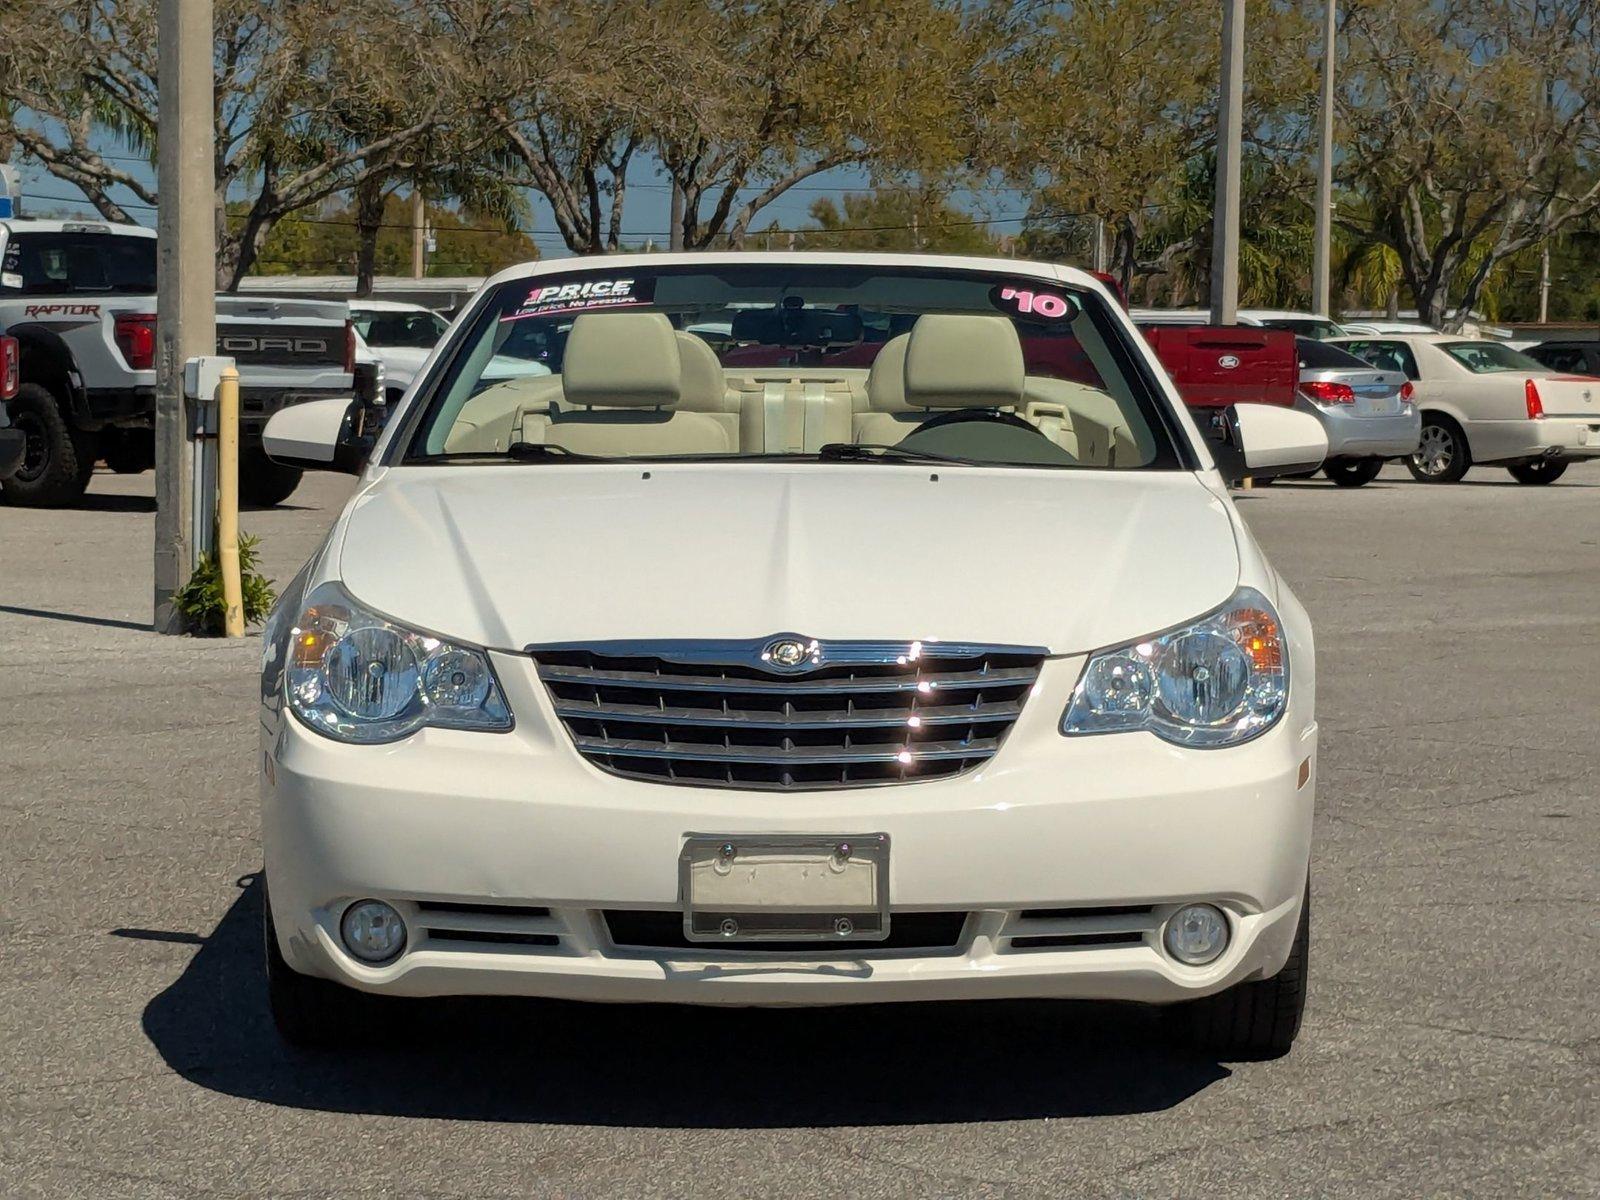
(675, 233)
(419, 232)
(1099, 255)
(1225, 211)
(1322, 268)
(1544, 284)
(186, 266)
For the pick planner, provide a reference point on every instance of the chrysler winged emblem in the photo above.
(788, 653)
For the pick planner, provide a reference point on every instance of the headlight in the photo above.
(359, 677)
(1218, 682)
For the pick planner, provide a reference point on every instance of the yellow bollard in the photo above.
(228, 501)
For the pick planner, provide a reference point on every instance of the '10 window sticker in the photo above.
(1029, 302)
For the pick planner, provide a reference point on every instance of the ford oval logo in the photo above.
(788, 654)
(1228, 362)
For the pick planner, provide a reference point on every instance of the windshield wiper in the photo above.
(520, 451)
(871, 452)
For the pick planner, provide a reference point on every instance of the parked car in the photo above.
(1486, 404)
(1305, 324)
(1302, 323)
(400, 336)
(1366, 412)
(948, 676)
(1386, 327)
(80, 297)
(1573, 358)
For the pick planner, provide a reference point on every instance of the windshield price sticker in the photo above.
(594, 295)
(1027, 301)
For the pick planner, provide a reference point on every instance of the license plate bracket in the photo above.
(784, 887)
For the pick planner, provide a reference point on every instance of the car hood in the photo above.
(509, 555)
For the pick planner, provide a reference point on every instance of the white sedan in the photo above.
(1483, 403)
(932, 667)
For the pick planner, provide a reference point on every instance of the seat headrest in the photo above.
(961, 361)
(886, 387)
(622, 360)
(704, 387)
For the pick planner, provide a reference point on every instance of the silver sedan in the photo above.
(1366, 411)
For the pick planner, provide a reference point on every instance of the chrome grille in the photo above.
(723, 714)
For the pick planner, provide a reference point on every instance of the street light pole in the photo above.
(1322, 266)
(186, 266)
(419, 234)
(1225, 211)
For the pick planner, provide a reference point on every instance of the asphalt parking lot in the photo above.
(1450, 1046)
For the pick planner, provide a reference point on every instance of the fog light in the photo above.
(372, 931)
(1196, 934)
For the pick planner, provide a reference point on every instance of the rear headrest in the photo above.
(704, 387)
(622, 360)
(886, 387)
(963, 362)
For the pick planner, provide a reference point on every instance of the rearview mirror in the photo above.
(816, 327)
(319, 435)
(1263, 441)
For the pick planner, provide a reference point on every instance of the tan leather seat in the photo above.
(493, 419)
(621, 379)
(706, 390)
(947, 361)
(888, 417)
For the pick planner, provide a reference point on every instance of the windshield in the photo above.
(1310, 327)
(417, 330)
(1485, 358)
(787, 360)
(77, 263)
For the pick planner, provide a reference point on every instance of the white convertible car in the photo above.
(906, 647)
(1483, 403)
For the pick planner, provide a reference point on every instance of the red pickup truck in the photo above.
(1214, 366)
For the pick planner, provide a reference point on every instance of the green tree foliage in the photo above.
(1114, 107)
(739, 101)
(327, 241)
(895, 219)
(1472, 135)
(297, 84)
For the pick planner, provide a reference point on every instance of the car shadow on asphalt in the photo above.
(665, 1066)
(114, 502)
(50, 614)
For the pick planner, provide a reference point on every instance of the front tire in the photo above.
(1545, 470)
(57, 460)
(1258, 1019)
(307, 1012)
(1442, 453)
(262, 482)
(1352, 472)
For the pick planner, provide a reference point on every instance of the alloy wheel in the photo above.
(1436, 451)
(35, 447)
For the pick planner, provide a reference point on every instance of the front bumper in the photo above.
(1353, 436)
(520, 819)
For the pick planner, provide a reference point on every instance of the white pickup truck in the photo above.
(79, 297)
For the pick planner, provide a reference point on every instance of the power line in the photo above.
(769, 231)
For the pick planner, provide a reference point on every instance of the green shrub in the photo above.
(201, 601)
